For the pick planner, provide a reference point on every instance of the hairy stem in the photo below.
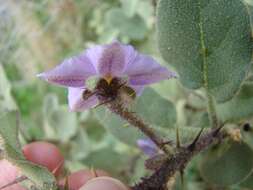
(176, 163)
(118, 108)
(212, 111)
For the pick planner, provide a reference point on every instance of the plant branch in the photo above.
(212, 111)
(158, 180)
(117, 106)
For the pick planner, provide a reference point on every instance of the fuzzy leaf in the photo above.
(107, 159)
(63, 123)
(208, 42)
(129, 7)
(40, 176)
(248, 183)
(7, 103)
(233, 164)
(155, 109)
(240, 107)
(134, 28)
(117, 127)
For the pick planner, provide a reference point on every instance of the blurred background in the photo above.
(36, 36)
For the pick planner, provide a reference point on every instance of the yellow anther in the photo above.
(108, 78)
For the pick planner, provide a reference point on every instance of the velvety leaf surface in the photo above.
(248, 183)
(228, 164)
(134, 27)
(240, 107)
(208, 42)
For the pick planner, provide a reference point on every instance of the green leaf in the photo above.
(80, 145)
(107, 159)
(63, 123)
(228, 164)
(7, 103)
(240, 107)
(117, 127)
(129, 7)
(154, 109)
(9, 142)
(208, 42)
(134, 28)
(248, 183)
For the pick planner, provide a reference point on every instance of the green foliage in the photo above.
(208, 42)
(240, 107)
(227, 164)
(7, 102)
(133, 27)
(155, 110)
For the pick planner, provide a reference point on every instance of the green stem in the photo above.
(212, 110)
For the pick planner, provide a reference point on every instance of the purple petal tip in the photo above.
(147, 146)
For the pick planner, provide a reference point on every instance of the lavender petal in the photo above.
(148, 147)
(114, 59)
(71, 72)
(145, 70)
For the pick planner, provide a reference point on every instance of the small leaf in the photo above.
(134, 28)
(240, 107)
(80, 145)
(63, 123)
(208, 42)
(117, 127)
(7, 103)
(107, 159)
(129, 7)
(40, 176)
(156, 110)
(229, 165)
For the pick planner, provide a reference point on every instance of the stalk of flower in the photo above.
(121, 72)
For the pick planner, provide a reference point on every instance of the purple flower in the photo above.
(148, 147)
(106, 62)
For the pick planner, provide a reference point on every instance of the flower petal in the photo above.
(114, 58)
(94, 54)
(145, 70)
(147, 146)
(76, 101)
(71, 73)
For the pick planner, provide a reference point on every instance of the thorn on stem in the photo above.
(182, 177)
(178, 138)
(103, 103)
(94, 172)
(216, 131)
(193, 144)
